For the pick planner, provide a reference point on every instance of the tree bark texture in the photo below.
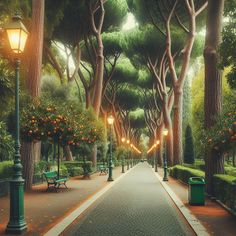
(31, 150)
(168, 125)
(213, 86)
(67, 153)
(27, 154)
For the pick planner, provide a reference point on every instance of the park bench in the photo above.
(103, 169)
(53, 181)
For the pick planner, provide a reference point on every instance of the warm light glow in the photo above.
(158, 142)
(122, 140)
(165, 132)
(131, 145)
(110, 120)
(17, 39)
(128, 141)
(17, 34)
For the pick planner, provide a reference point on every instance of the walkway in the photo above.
(137, 205)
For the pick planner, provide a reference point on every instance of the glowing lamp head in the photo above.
(17, 34)
(131, 145)
(165, 132)
(122, 140)
(157, 142)
(128, 141)
(110, 120)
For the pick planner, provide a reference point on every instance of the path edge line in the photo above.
(68, 220)
(194, 223)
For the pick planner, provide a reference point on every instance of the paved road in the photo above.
(135, 206)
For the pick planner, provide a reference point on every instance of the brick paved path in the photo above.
(137, 205)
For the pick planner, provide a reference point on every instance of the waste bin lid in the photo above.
(196, 180)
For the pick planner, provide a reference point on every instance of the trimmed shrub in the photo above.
(184, 173)
(188, 148)
(75, 168)
(225, 190)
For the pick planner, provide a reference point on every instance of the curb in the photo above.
(63, 224)
(194, 223)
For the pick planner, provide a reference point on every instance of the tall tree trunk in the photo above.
(177, 126)
(67, 153)
(168, 125)
(160, 148)
(213, 85)
(31, 150)
(98, 77)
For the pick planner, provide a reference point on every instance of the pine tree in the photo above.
(189, 148)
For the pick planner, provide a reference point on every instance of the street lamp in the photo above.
(165, 178)
(17, 35)
(128, 142)
(110, 121)
(123, 160)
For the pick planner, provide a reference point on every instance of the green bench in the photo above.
(103, 169)
(53, 181)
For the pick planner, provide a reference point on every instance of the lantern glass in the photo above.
(110, 120)
(17, 39)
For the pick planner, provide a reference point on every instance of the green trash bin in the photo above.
(196, 191)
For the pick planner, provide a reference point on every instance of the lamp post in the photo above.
(123, 160)
(165, 178)
(17, 35)
(156, 153)
(128, 142)
(110, 121)
(131, 156)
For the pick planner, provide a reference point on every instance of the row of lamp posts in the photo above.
(110, 121)
(17, 35)
(154, 161)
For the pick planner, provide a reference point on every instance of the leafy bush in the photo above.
(184, 173)
(42, 166)
(225, 190)
(6, 143)
(63, 170)
(230, 171)
(76, 167)
(222, 136)
(6, 170)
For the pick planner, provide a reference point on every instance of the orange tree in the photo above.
(222, 136)
(61, 123)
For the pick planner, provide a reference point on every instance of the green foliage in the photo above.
(184, 173)
(6, 170)
(6, 143)
(74, 168)
(227, 48)
(63, 123)
(120, 153)
(222, 136)
(42, 166)
(229, 170)
(188, 148)
(225, 189)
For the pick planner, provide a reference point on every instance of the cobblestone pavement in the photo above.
(137, 205)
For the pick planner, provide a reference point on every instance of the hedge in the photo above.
(184, 173)
(225, 190)
(76, 167)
